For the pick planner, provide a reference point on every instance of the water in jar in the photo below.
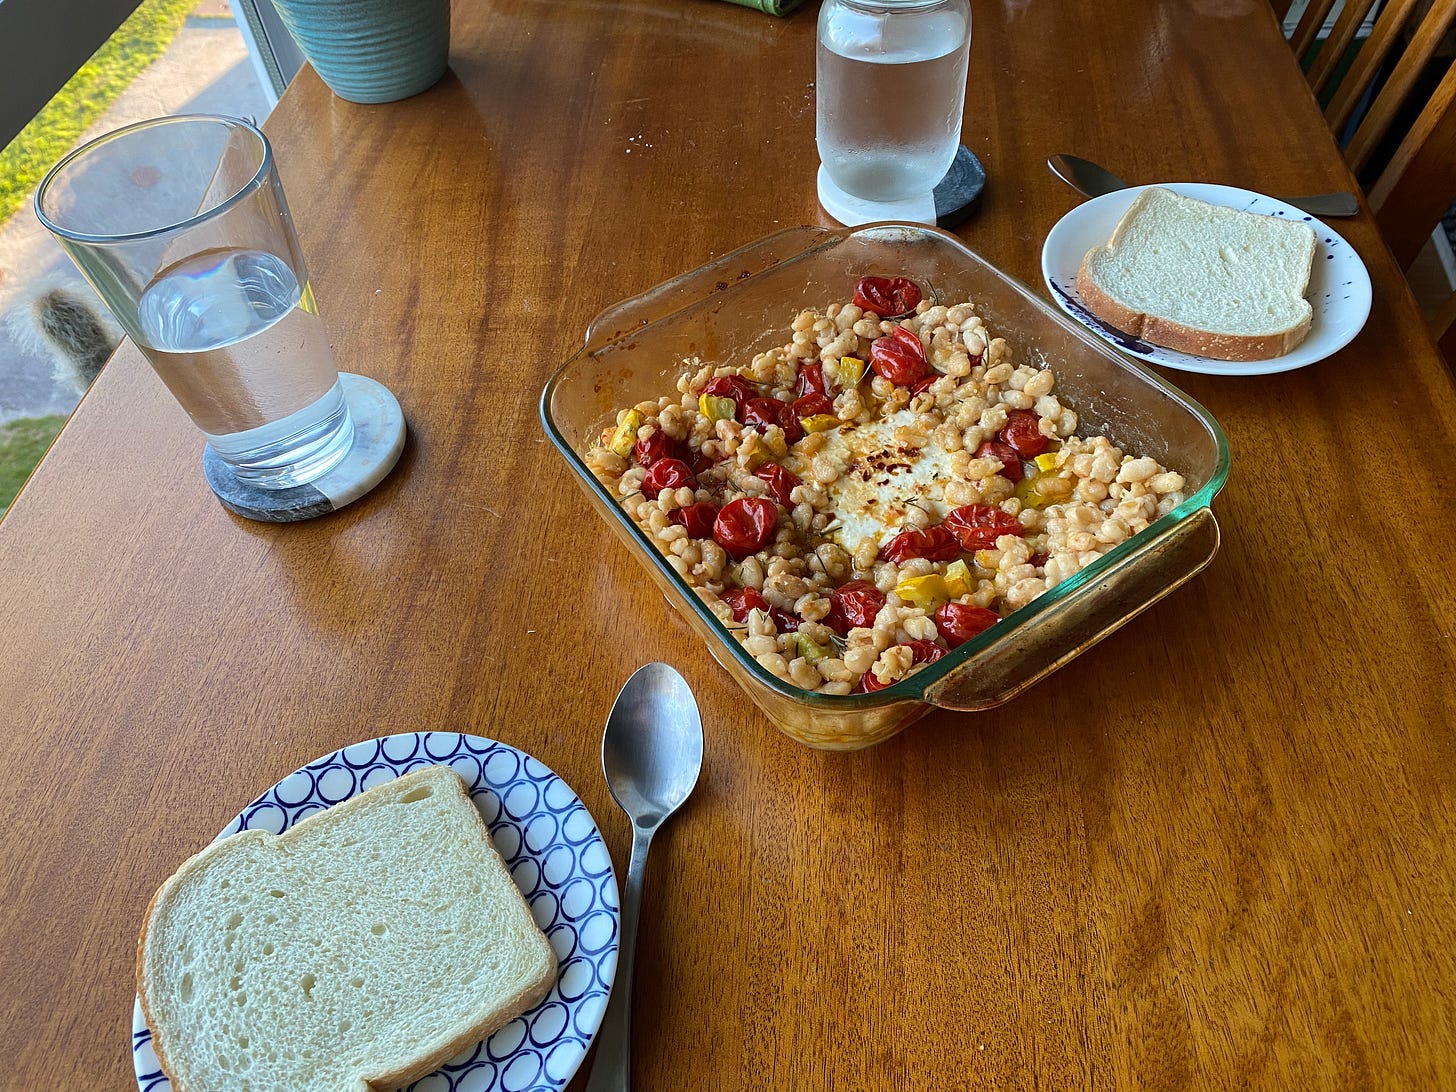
(891, 87)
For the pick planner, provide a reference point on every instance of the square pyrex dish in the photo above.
(742, 304)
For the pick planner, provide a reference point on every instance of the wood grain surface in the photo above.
(1214, 851)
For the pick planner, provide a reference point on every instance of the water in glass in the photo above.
(891, 82)
(240, 344)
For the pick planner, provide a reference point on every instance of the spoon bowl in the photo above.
(652, 749)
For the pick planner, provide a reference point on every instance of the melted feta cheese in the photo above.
(888, 467)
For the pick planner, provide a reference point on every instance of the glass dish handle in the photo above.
(1136, 582)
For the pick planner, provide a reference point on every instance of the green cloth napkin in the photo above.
(773, 7)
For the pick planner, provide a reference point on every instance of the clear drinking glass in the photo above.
(890, 91)
(181, 226)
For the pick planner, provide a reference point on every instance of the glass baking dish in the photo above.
(743, 303)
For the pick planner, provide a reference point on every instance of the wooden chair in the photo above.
(1417, 186)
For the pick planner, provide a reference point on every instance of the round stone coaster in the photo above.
(378, 440)
(951, 202)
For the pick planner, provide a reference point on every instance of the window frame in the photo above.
(43, 43)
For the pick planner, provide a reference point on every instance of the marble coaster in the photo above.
(951, 202)
(378, 440)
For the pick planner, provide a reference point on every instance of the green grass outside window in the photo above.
(22, 443)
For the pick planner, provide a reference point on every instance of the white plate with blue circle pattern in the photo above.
(556, 856)
(1339, 285)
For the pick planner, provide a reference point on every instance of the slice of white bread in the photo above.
(357, 951)
(1202, 279)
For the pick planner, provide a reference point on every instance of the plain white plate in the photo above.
(556, 856)
(1339, 285)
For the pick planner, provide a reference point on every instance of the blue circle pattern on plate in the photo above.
(554, 853)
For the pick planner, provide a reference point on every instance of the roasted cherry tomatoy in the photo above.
(925, 652)
(745, 526)
(697, 518)
(959, 622)
(811, 405)
(1010, 460)
(899, 357)
(811, 381)
(978, 526)
(887, 297)
(651, 448)
(763, 412)
(933, 544)
(667, 474)
(780, 482)
(1022, 433)
(853, 606)
(734, 387)
(742, 600)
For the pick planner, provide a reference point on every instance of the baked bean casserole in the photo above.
(886, 485)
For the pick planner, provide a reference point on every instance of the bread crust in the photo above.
(1180, 336)
(1167, 331)
(529, 994)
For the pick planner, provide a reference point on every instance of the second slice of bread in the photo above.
(1202, 278)
(359, 950)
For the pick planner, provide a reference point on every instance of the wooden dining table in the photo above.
(1214, 851)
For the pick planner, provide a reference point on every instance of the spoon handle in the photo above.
(1326, 204)
(1092, 180)
(612, 1070)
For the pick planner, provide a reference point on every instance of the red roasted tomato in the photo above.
(853, 606)
(1022, 433)
(922, 652)
(745, 526)
(667, 474)
(888, 297)
(811, 381)
(959, 622)
(743, 600)
(869, 682)
(763, 412)
(734, 387)
(899, 357)
(925, 652)
(1010, 460)
(697, 518)
(657, 446)
(811, 392)
(933, 544)
(784, 621)
(780, 482)
(812, 404)
(978, 526)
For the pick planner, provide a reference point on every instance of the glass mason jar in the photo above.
(891, 87)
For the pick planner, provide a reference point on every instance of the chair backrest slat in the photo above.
(1407, 70)
(1443, 330)
(1383, 38)
(1419, 184)
(1341, 35)
(1308, 29)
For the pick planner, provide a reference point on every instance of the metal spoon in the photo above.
(652, 751)
(1087, 177)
